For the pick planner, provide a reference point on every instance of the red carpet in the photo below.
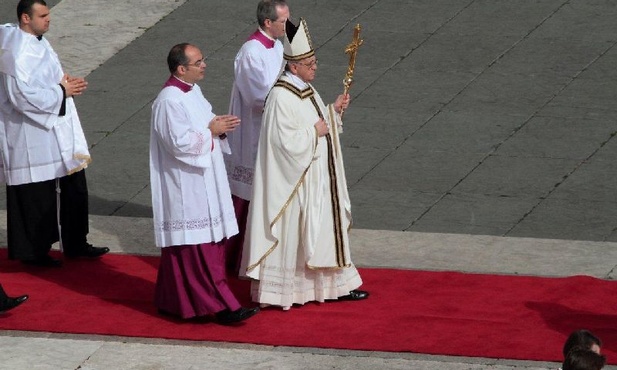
(443, 313)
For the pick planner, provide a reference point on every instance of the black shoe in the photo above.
(46, 261)
(354, 295)
(12, 302)
(227, 317)
(89, 251)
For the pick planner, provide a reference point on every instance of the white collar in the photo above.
(296, 81)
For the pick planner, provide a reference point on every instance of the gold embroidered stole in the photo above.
(334, 198)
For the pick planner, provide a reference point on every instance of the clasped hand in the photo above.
(73, 85)
(223, 124)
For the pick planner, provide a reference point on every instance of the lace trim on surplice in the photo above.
(193, 224)
(242, 174)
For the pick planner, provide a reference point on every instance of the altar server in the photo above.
(257, 66)
(43, 147)
(193, 212)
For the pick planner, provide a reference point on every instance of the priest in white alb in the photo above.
(297, 245)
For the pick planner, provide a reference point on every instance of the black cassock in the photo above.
(32, 222)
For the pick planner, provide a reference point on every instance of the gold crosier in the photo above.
(352, 50)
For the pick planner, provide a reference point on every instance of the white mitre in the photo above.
(297, 44)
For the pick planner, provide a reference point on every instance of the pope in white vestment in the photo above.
(297, 243)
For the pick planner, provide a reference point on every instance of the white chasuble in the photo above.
(256, 68)
(190, 192)
(37, 143)
(297, 241)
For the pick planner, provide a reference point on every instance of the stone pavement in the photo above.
(480, 139)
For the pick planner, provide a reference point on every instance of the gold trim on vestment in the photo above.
(337, 149)
(296, 58)
(302, 94)
(278, 216)
(299, 94)
(328, 267)
(334, 198)
(339, 152)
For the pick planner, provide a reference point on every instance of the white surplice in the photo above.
(37, 144)
(190, 192)
(297, 243)
(256, 68)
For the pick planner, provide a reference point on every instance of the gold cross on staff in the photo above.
(352, 50)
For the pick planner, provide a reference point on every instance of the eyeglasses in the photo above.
(310, 64)
(197, 63)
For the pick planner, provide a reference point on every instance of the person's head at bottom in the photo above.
(580, 358)
(584, 339)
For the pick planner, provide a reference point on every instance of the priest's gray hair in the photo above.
(177, 57)
(266, 9)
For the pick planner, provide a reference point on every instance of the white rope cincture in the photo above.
(58, 191)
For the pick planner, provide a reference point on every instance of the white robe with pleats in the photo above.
(256, 68)
(297, 243)
(36, 143)
(190, 192)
